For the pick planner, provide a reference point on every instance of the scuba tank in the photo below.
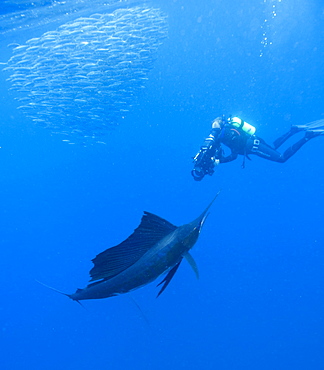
(244, 126)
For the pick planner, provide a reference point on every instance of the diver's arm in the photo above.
(211, 145)
(205, 159)
(231, 157)
(212, 138)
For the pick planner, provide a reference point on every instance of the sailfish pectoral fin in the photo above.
(192, 263)
(168, 278)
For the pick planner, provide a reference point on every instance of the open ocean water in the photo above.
(100, 123)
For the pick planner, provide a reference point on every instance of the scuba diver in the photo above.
(239, 136)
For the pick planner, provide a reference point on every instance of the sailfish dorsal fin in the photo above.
(113, 261)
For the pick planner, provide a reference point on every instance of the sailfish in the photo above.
(155, 247)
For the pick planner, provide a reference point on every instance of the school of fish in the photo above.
(82, 78)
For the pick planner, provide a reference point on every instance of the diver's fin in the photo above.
(114, 260)
(168, 278)
(314, 126)
(192, 263)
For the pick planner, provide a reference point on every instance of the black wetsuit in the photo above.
(241, 143)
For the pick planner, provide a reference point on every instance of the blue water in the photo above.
(259, 301)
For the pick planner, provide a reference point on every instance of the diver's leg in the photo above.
(294, 148)
(278, 142)
(262, 149)
(312, 129)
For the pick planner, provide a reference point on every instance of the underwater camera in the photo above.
(205, 161)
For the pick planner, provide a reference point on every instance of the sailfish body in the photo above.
(155, 247)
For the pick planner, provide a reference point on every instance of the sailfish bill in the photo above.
(155, 247)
